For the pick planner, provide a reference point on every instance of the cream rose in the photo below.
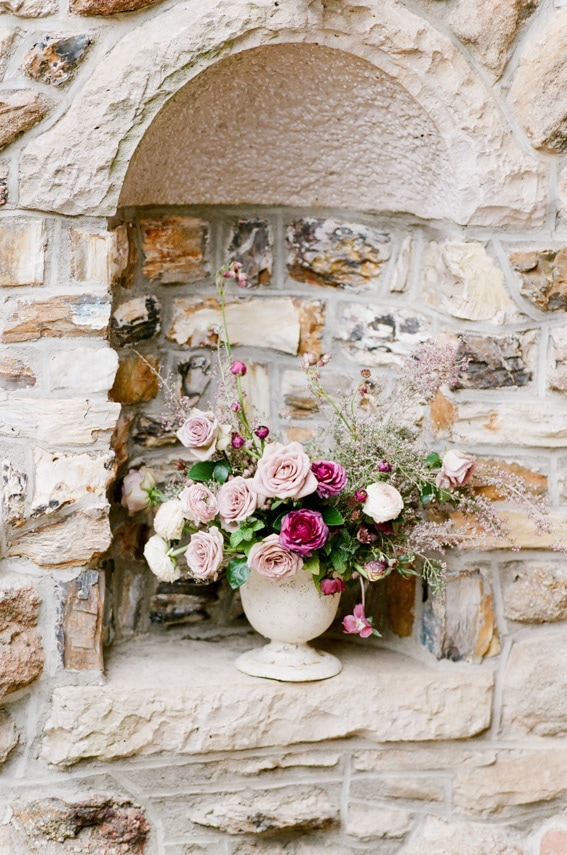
(198, 504)
(284, 472)
(383, 502)
(169, 520)
(135, 488)
(205, 553)
(270, 559)
(159, 562)
(199, 434)
(237, 500)
(456, 469)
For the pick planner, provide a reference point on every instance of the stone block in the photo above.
(8, 738)
(405, 787)
(29, 8)
(187, 698)
(447, 837)
(14, 374)
(67, 369)
(373, 336)
(74, 540)
(136, 320)
(102, 258)
(328, 252)
(14, 490)
(136, 381)
(311, 325)
(96, 826)
(554, 842)
(534, 686)
(402, 267)
(535, 482)
(22, 250)
(251, 244)
(519, 423)
(370, 822)
(460, 278)
(175, 249)
(70, 315)
(108, 7)
(63, 479)
(297, 400)
(73, 421)
(53, 60)
(81, 623)
(460, 623)
(195, 376)
(497, 361)
(271, 323)
(20, 110)
(534, 591)
(151, 433)
(557, 359)
(543, 277)
(7, 39)
(21, 651)
(422, 758)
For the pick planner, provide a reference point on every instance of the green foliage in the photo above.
(237, 572)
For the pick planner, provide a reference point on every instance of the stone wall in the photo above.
(142, 142)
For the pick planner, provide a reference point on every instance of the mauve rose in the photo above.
(169, 521)
(284, 472)
(303, 531)
(198, 503)
(237, 500)
(199, 434)
(456, 469)
(135, 487)
(270, 559)
(332, 477)
(159, 562)
(383, 502)
(205, 553)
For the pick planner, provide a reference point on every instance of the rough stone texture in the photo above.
(374, 336)
(423, 758)
(272, 323)
(66, 479)
(173, 712)
(108, 7)
(14, 374)
(53, 60)
(29, 8)
(22, 245)
(297, 401)
(405, 787)
(175, 249)
(83, 609)
(7, 38)
(445, 837)
(328, 252)
(554, 842)
(75, 422)
(312, 315)
(557, 359)
(8, 736)
(70, 315)
(195, 376)
(461, 623)
(136, 320)
(460, 278)
(251, 244)
(543, 277)
(67, 369)
(402, 267)
(136, 381)
(535, 482)
(538, 88)
(368, 822)
(71, 541)
(14, 489)
(101, 258)
(20, 110)
(490, 27)
(97, 826)
(494, 362)
(534, 686)
(150, 432)
(534, 591)
(21, 651)
(478, 422)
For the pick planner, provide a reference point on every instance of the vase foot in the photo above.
(290, 663)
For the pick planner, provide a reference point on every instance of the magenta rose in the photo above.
(303, 531)
(270, 559)
(332, 477)
(284, 472)
(332, 586)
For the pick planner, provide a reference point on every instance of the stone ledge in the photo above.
(186, 698)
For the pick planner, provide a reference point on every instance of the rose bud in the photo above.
(262, 431)
(235, 407)
(361, 495)
(238, 368)
(237, 441)
(332, 586)
(364, 535)
(384, 466)
(366, 373)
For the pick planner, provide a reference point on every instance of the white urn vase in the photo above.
(289, 612)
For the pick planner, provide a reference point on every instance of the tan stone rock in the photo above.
(7, 38)
(408, 788)
(418, 758)
(256, 386)
(446, 837)
(400, 603)
(557, 359)
(8, 738)
(482, 422)
(29, 8)
(21, 651)
(297, 400)
(136, 381)
(175, 248)
(108, 7)
(71, 541)
(14, 490)
(83, 611)
(534, 591)
(543, 277)
(99, 257)
(74, 421)
(535, 482)
(67, 369)
(312, 325)
(22, 246)
(65, 479)
(136, 320)
(15, 374)
(490, 27)
(370, 823)
(20, 110)
(443, 412)
(273, 323)
(69, 315)
(54, 59)
(402, 267)
(187, 698)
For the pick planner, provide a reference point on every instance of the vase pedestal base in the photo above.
(290, 663)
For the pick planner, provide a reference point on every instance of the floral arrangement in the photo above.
(367, 500)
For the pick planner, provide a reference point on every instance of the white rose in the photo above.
(169, 520)
(135, 487)
(159, 562)
(224, 437)
(383, 502)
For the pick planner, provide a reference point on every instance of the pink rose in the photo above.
(237, 500)
(135, 489)
(271, 560)
(358, 623)
(332, 586)
(205, 553)
(456, 469)
(303, 531)
(383, 502)
(332, 477)
(284, 472)
(198, 504)
(199, 433)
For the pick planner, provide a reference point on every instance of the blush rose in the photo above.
(270, 559)
(202, 434)
(198, 504)
(237, 500)
(205, 553)
(284, 472)
(135, 489)
(456, 469)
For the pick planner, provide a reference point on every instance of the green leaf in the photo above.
(332, 516)
(202, 471)
(221, 471)
(237, 537)
(433, 461)
(312, 563)
(428, 491)
(237, 572)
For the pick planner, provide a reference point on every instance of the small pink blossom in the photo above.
(331, 477)
(358, 623)
(361, 496)
(262, 431)
(238, 368)
(376, 570)
(332, 586)
(237, 441)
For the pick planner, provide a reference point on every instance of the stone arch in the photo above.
(80, 163)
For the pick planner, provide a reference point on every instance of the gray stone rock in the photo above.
(136, 320)
(14, 489)
(374, 336)
(53, 60)
(251, 244)
(494, 362)
(8, 737)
